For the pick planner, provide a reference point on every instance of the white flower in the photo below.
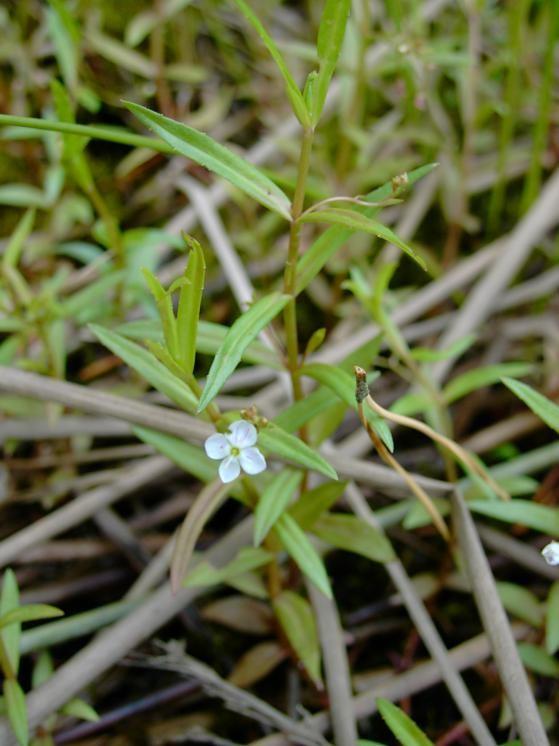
(236, 449)
(551, 553)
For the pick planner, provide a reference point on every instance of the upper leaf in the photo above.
(540, 405)
(200, 148)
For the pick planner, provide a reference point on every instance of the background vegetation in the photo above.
(212, 212)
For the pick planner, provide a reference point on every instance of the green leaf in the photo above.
(353, 535)
(329, 44)
(17, 240)
(417, 516)
(537, 660)
(212, 155)
(17, 712)
(188, 311)
(239, 336)
(326, 245)
(144, 363)
(77, 708)
(300, 412)
(209, 338)
(301, 550)
(477, 378)
(426, 355)
(274, 439)
(359, 222)
(317, 338)
(164, 304)
(540, 405)
(65, 37)
(204, 506)
(520, 602)
(29, 613)
(248, 559)
(310, 506)
(291, 88)
(403, 727)
(273, 502)
(42, 670)
(552, 620)
(539, 517)
(297, 620)
(10, 635)
(343, 385)
(74, 158)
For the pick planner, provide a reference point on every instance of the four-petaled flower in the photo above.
(551, 553)
(236, 449)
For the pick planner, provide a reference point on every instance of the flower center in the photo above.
(235, 451)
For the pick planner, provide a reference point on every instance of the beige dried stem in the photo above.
(363, 395)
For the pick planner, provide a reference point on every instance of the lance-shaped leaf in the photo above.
(144, 363)
(329, 44)
(274, 439)
(542, 518)
(540, 405)
(477, 378)
(217, 158)
(291, 88)
(354, 535)
(199, 513)
(326, 245)
(403, 727)
(552, 620)
(358, 222)
(17, 712)
(273, 501)
(248, 559)
(29, 613)
(164, 302)
(190, 300)
(237, 339)
(297, 621)
(298, 547)
(10, 635)
(313, 503)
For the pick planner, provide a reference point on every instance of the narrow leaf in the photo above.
(539, 517)
(310, 506)
(520, 602)
(217, 158)
(239, 336)
(10, 635)
(17, 712)
(477, 378)
(302, 551)
(540, 405)
(190, 300)
(297, 621)
(354, 535)
(538, 660)
(358, 222)
(326, 245)
(144, 363)
(199, 513)
(248, 559)
(552, 620)
(403, 727)
(291, 88)
(329, 44)
(77, 708)
(29, 613)
(273, 501)
(164, 304)
(274, 439)
(257, 663)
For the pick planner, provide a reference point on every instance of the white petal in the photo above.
(243, 434)
(551, 553)
(217, 446)
(229, 469)
(252, 461)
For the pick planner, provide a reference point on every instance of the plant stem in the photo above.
(290, 274)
